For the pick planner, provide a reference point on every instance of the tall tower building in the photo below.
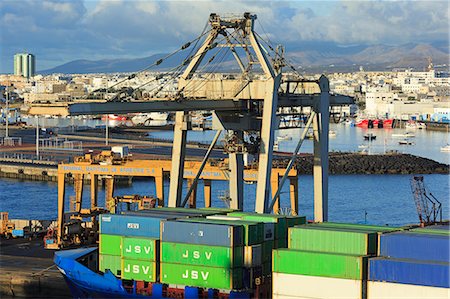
(24, 65)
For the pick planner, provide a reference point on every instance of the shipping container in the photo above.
(435, 274)
(130, 225)
(199, 212)
(190, 232)
(333, 240)
(281, 243)
(252, 277)
(410, 245)
(194, 254)
(140, 248)
(139, 270)
(253, 231)
(253, 256)
(267, 268)
(295, 220)
(387, 290)
(433, 230)
(267, 247)
(317, 287)
(220, 210)
(110, 244)
(365, 227)
(110, 262)
(280, 220)
(201, 276)
(319, 264)
(160, 214)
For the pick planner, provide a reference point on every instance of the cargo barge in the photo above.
(219, 253)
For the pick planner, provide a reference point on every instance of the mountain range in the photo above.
(318, 56)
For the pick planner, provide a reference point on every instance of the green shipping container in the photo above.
(110, 244)
(267, 268)
(332, 240)
(210, 256)
(267, 248)
(140, 248)
(295, 220)
(200, 212)
(139, 270)
(319, 264)
(280, 220)
(253, 231)
(201, 276)
(111, 262)
(282, 243)
(375, 228)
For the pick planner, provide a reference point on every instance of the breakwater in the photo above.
(340, 163)
(356, 163)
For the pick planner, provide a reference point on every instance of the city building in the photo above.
(24, 65)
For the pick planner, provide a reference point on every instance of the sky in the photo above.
(57, 32)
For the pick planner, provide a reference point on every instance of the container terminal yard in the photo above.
(137, 247)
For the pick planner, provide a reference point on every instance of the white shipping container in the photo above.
(303, 286)
(388, 290)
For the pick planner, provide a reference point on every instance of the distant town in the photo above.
(406, 95)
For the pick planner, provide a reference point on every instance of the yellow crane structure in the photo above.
(108, 165)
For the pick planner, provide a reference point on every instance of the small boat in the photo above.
(114, 117)
(362, 146)
(406, 142)
(406, 135)
(445, 148)
(331, 133)
(370, 136)
(284, 138)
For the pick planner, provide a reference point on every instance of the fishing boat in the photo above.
(370, 136)
(284, 138)
(406, 142)
(114, 117)
(404, 135)
(445, 148)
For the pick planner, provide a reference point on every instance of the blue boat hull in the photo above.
(86, 283)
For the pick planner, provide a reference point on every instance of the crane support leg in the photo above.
(109, 191)
(159, 182)
(94, 193)
(61, 198)
(320, 168)
(78, 185)
(263, 194)
(293, 191)
(207, 193)
(193, 195)
(178, 155)
(275, 180)
(236, 183)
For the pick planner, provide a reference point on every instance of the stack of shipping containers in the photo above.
(326, 260)
(412, 264)
(129, 243)
(275, 233)
(202, 254)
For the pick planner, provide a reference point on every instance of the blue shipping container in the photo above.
(130, 225)
(409, 272)
(183, 231)
(422, 247)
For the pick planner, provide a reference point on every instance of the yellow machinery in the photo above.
(6, 227)
(107, 165)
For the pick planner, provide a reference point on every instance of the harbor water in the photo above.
(372, 199)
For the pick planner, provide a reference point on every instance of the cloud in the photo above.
(60, 31)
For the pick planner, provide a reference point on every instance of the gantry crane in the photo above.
(243, 104)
